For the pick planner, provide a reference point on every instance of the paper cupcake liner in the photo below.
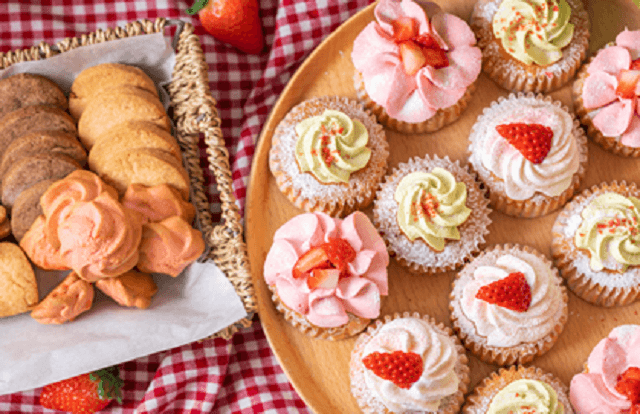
(303, 189)
(476, 344)
(369, 403)
(610, 144)
(540, 204)
(354, 326)
(513, 75)
(479, 400)
(599, 288)
(441, 118)
(417, 256)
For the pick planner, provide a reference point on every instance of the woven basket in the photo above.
(194, 112)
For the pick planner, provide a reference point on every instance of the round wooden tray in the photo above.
(319, 369)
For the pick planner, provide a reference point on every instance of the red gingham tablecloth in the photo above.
(215, 375)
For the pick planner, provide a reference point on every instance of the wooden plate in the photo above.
(319, 369)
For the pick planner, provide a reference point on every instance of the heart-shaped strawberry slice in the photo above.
(401, 368)
(513, 292)
(532, 140)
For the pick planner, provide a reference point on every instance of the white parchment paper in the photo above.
(190, 307)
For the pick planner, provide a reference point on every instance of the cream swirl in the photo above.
(332, 146)
(610, 232)
(439, 355)
(503, 327)
(526, 396)
(522, 178)
(431, 206)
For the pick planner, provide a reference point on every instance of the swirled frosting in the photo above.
(36, 245)
(534, 31)
(438, 352)
(503, 327)
(594, 392)
(522, 178)
(526, 396)
(65, 302)
(359, 293)
(169, 246)
(157, 203)
(431, 206)
(332, 146)
(610, 232)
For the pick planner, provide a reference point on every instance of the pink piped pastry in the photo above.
(327, 275)
(415, 65)
(38, 248)
(606, 95)
(65, 302)
(611, 381)
(157, 203)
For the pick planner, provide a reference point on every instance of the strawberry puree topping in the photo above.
(612, 88)
(595, 391)
(412, 90)
(358, 292)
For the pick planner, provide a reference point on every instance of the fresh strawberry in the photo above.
(412, 57)
(84, 394)
(401, 368)
(236, 22)
(315, 258)
(427, 41)
(629, 385)
(627, 82)
(635, 65)
(404, 28)
(436, 57)
(513, 292)
(323, 278)
(340, 253)
(532, 140)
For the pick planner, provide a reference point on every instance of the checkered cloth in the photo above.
(215, 375)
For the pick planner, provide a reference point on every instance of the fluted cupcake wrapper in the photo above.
(476, 344)
(368, 402)
(514, 75)
(599, 288)
(479, 400)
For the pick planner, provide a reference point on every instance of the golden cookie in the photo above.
(18, 289)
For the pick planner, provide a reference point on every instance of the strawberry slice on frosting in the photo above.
(409, 85)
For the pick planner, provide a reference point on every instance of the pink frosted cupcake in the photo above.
(415, 66)
(610, 382)
(605, 95)
(327, 275)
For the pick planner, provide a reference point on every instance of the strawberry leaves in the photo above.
(513, 292)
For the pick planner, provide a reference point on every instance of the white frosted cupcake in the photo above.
(508, 305)
(432, 214)
(328, 154)
(433, 373)
(530, 152)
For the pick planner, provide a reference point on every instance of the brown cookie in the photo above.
(94, 80)
(25, 89)
(117, 105)
(148, 166)
(131, 135)
(18, 288)
(26, 208)
(31, 119)
(42, 142)
(33, 169)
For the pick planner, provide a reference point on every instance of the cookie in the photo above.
(42, 142)
(18, 288)
(33, 169)
(26, 208)
(117, 105)
(148, 166)
(94, 80)
(25, 89)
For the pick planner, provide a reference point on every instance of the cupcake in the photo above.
(610, 382)
(531, 45)
(605, 94)
(530, 152)
(327, 275)
(508, 305)
(329, 154)
(519, 390)
(432, 214)
(596, 244)
(429, 373)
(415, 66)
